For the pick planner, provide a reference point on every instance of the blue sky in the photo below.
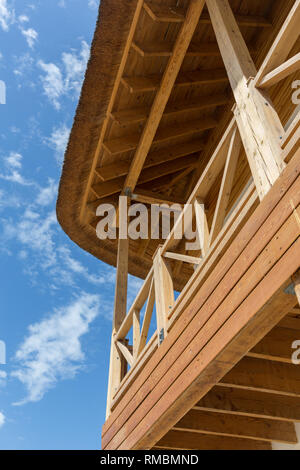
(56, 300)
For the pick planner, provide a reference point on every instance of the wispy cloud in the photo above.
(6, 15)
(13, 165)
(58, 141)
(52, 350)
(66, 77)
(47, 194)
(2, 419)
(30, 35)
(3, 376)
(93, 4)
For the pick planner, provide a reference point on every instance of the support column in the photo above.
(117, 366)
(257, 120)
(296, 281)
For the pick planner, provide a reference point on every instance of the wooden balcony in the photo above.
(196, 113)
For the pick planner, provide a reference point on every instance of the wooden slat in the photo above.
(281, 72)
(291, 131)
(131, 142)
(226, 185)
(251, 403)
(149, 174)
(202, 226)
(296, 282)
(197, 77)
(130, 116)
(165, 49)
(183, 258)
(150, 130)
(179, 440)
(264, 376)
(147, 318)
(283, 43)
(246, 234)
(242, 20)
(136, 333)
(207, 422)
(149, 197)
(154, 158)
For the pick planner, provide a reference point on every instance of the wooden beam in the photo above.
(226, 185)
(155, 158)
(126, 353)
(250, 403)
(198, 77)
(136, 333)
(180, 440)
(140, 114)
(207, 422)
(149, 197)
(276, 345)
(183, 258)
(264, 376)
(259, 125)
(281, 72)
(166, 86)
(202, 226)
(283, 43)
(164, 13)
(147, 318)
(242, 20)
(165, 49)
(164, 293)
(108, 188)
(131, 141)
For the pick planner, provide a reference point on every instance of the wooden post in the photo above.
(164, 293)
(116, 370)
(296, 281)
(202, 226)
(258, 122)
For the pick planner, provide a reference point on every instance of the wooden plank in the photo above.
(158, 402)
(183, 258)
(164, 292)
(259, 125)
(131, 141)
(207, 422)
(251, 403)
(147, 318)
(120, 304)
(150, 130)
(202, 226)
(245, 238)
(198, 77)
(281, 72)
(265, 376)
(136, 333)
(125, 352)
(226, 185)
(135, 15)
(179, 440)
(292, 130)
(283, 43)
(164, 13)
(102, 190)
(140, 114)
(155, 158)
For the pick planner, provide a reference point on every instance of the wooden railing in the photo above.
(250, 117)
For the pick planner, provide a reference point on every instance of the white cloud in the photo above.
(23, 19)
(58, 141)
(66, 78)
(52, 82)
(52, 351)
(13, 164)
(30, 35)
(6, 15)
(3, 376)
(93, 4)
(2, 419)
(47, 194)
